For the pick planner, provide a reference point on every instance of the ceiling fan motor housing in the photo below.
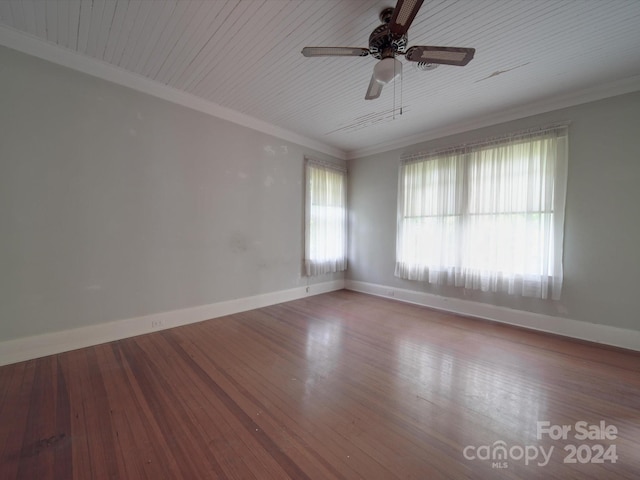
(381, 43)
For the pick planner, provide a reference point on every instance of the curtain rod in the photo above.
(407, 158)
(326, 164)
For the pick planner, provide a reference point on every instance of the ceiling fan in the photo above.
(390, 40)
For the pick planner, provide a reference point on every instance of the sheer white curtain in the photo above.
(325, 218)
(489, 216)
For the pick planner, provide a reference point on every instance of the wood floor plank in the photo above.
(232, 452)
(186, 441)
(142, 450)
(335, 386)
(15, 415)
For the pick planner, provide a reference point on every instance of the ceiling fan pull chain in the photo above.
(401, 90)
(394, 92)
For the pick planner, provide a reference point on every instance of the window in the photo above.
(488, 216)
(325, 218)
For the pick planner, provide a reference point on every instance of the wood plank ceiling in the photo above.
(244, 55)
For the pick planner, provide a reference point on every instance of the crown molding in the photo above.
(40, 48)
(37, 47)
(619, 87)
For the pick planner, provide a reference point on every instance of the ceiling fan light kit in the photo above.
(389, 40)
(387, 70)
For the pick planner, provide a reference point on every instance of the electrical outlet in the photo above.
(157, 323)
(391, 293)
(307, 290)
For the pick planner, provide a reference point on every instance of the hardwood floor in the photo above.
(336, 386)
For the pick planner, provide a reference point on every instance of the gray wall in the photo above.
(602, 225)
(115, 204)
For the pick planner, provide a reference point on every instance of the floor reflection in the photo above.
(323, 351)
(498, 389)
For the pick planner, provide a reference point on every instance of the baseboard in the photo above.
(604, 334)
(28, 348)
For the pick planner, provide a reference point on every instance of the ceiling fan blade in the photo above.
(335, 52)
(444, 55)
(403, 15)
(374, 90)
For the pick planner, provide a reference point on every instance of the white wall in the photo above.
(602, 227)
(115, 204)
